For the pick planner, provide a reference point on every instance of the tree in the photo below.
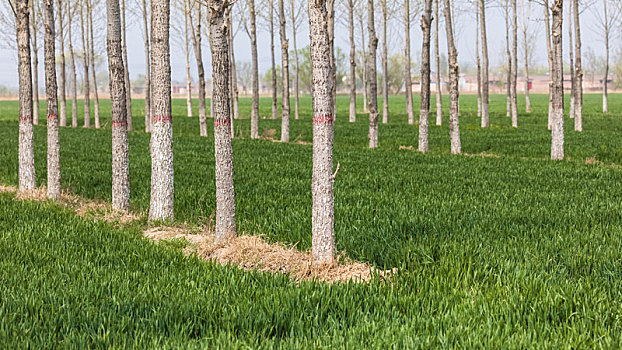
(74, 74)
(34, 22)
(485, 88)
(526, 11)
(439, 94)
(479, 66)
(274, 100)
(117, 81)
(407, 69)
(604, 23)
(186, 44)
(126, 69)
(255, 106)
(557, 143)
(424, 111)
(61, 68)
(351, 4)
(197, 47)
(549, 46)
(145, 13)
(372, 79)
(85, 59)
(573, 77)
(225, 194)
(360, 14)
(385, 64)
(26, 170)
(509, 57)
(91, 55)
(162, 187)
(53, 149)
(514, 65)
(322, 185)
(578, 99)
(285, 71)
(454, 126)
(296, 18)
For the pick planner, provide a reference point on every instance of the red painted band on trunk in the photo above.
(453, 109)
(23, 118)
(323, 119)
(558, 107)
(119, 123)
(222, 122)
(162, 118)
(52, 116)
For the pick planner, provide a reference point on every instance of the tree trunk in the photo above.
(274, 99)
(549, 48)
(454, 71)
(573, 80)
(225, 194)
(508, 86)
(578, 99)
(91, 44)
(424, 111)
(285, 75)
(162, 187)
(557, 144)
(372, 79)
(352, 62)
(323, 181)
(479, 66)
(296, 61)
(255, 105)
(408, 86)
(74, 74)
(485, 89)
(385, 65)
(514, 66)
(196, 44)
(85, 63)
(26, 171)
(526, 54)
(365, 73)
(187, 56)
(61, 69)
(126, 72)
(606, 77)
(439, 93)
(53, 149)
(147, 68)
(120, 145)
(35, 63)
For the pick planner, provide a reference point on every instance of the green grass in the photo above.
(516, 251)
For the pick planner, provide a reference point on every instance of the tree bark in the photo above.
(514, 66)
(479, 66)
(285, 75)
(120, 145)
(162, 186)
(255, 67)
(549, 48)
(274, 88)
(365, 73)
(85, 63)
(35, 63)
(508, 85)
(385, 65)
(578, 99)
(147, 68)
(573, 80)
(526, 55)
(74, 74)
(352, 62)
(557, 144)
(439, 92)
(485, 88)
(26, 170)
(126, 71)
(424, 111)
(322, 185)
(454, 71)
(408, 86)
(91, 44)
(296, 61)
(196, 44)
(372, 79)
(187, 57)
(225, 194)
(53, 144)
(606, 77)
(61, 69)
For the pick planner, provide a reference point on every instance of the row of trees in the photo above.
(322, 53)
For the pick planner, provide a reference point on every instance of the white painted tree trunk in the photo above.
(454, 70)
(547, 24)
(407, 69)
(557, 144)
(372, 79)
(485, 88)
(578, 99)
(35, 63)
(424, 111)
(514, 65)
(74, 74)
(285, 74)
(439, 91)
(91, 45)
(255, 103)
(62, 82)
(385, 65)
(352, 62)
(85, 64)
(53, 144)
